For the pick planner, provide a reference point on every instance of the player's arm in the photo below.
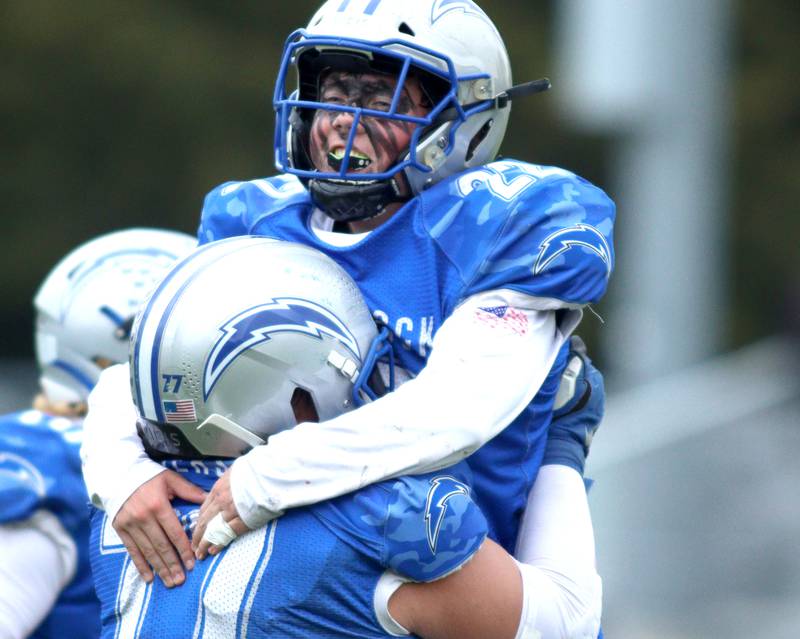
(37, 559)
(134, 490)
(552, 589)
(482, 372)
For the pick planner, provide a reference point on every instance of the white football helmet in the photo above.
(86, 305)
(455, 51)
(234, 333)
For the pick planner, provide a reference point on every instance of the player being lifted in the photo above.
(84, 311)
(479, 267)
(217, 369)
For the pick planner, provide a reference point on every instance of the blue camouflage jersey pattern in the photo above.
(538, 230)
(310, 573)
(40, 469)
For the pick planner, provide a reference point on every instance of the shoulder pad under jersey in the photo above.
(539, 230)
(40, 467)
(423, 526)
(434, 527)
(234, 208)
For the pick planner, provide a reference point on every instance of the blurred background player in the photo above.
(480, 268)
(84, 309)
(218, 368)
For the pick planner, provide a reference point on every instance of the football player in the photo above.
(218, 368)
(84, 310)
(479, 267)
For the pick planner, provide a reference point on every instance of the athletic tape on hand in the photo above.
(218, 532)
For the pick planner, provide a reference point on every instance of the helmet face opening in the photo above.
(450, 50)
(315, 57)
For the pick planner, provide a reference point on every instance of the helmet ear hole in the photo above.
(404, 28)
(303, 406)
(479, 137)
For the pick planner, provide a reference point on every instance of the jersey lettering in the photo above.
(420, 340)
(506, 180)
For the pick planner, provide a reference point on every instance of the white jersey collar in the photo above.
(322, 226)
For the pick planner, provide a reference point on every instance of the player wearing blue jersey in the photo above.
(84, 309)
(216, 369)
(479, 267)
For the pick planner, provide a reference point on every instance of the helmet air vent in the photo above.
(479, 137)
(404, 28)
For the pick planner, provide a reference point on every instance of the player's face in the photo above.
(378, 142)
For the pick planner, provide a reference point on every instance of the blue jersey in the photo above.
(40, 470)
(541, 231)
(310, 573)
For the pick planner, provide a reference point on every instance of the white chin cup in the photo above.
(218, 532)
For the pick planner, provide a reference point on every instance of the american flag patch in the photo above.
(504, 317)
(180, 410)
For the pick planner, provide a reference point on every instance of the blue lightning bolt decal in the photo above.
(441, 490)
(444, 6)
(256, 325)
(563, 240)
(18, 471)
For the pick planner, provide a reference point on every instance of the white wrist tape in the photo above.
(218, 532)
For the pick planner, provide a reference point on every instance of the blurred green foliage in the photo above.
(118, 113)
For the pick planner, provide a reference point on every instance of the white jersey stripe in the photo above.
(132, 598)
(201, 610)
(223, 596)
(248, 606)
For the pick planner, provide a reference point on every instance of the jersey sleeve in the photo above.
(433, 526)
(40, 469)
(235, 208)
(540, 231)
(423, 526)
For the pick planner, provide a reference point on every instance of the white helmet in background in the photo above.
(457, 54)
(85, 306)
(233, 334)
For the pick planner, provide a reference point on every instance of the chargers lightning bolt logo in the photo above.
(442, 7)
(442, 489)
(563, 240)
(256, 325)
(16, 470)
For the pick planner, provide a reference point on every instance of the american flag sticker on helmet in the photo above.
(180, 410)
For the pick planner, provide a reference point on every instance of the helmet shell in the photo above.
(85, 305)
(451, 39)
(235, 330)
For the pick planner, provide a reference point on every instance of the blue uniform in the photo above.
(541, 231)
(40, 469)
(310, 573)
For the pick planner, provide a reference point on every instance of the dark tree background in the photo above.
(118, 113)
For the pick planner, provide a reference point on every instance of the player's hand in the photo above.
(150, 530)
(218, 503)
(577, 412)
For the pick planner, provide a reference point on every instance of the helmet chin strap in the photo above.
(351, 201)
